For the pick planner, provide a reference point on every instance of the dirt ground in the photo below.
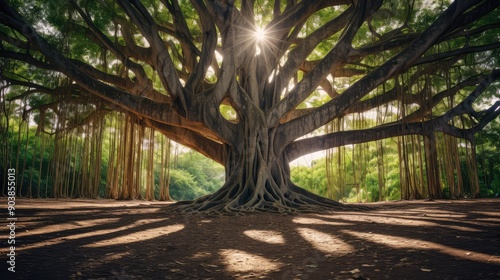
(107, 239)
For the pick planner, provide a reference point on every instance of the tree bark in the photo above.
(257, 179)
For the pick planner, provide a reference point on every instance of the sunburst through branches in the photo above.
(260, 34)
(257, 37)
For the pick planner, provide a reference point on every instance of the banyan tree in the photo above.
(239, 81)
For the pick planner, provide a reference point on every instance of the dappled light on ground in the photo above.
(416, 221)
(133, 240)
(91, 234)
(326, 243)
(419, 244)
(267, 236)
(139, 236)
(316, 221)
(241, 261)
(115, 257)
(70, 225)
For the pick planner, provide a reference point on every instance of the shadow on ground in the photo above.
(107, 239)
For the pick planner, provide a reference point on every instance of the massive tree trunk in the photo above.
(258, 178)
(255, 183)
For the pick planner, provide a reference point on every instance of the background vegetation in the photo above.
(34, 154)
(365, 187)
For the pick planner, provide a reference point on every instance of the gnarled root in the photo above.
(248, 198)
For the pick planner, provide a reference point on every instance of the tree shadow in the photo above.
(141, 240)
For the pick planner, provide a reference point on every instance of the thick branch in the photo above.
(332, 60)
(25, 57)
(438, 124)
(163, 63)
(189, 50)
(458, 52)
(191, 139)
(395, 65)
(131, 49)
(465, 107)
(338, 139)
(298, 55)
(484, 81)
(208, 47)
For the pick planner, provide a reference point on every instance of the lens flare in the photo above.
(260, 34)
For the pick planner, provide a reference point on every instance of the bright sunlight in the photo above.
(260, 34)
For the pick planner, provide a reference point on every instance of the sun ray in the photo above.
(260, 34)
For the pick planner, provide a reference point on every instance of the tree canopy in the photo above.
(246, 83)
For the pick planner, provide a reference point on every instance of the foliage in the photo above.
(183, 186)
(311, 178)
(194, 175)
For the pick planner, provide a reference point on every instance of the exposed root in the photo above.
(291, 202)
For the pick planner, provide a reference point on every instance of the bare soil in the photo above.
(108, 239)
